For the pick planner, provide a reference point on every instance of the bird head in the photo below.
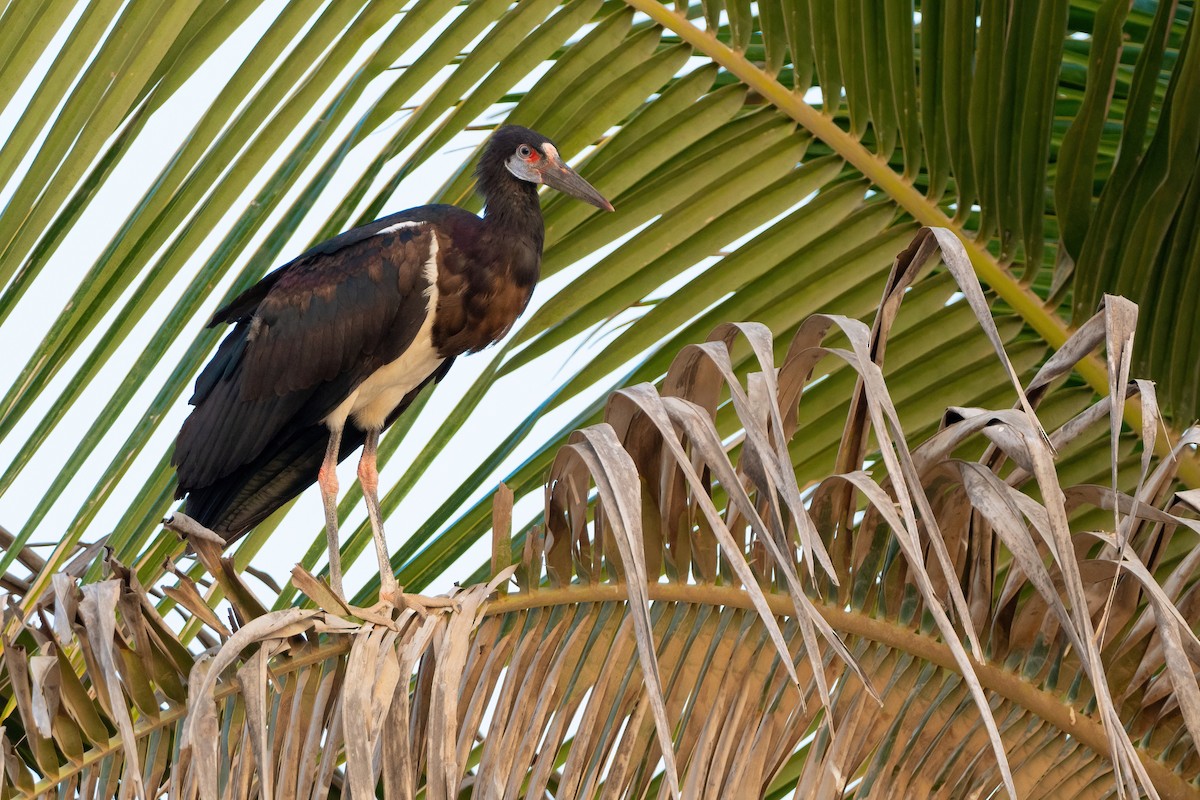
(531, 157)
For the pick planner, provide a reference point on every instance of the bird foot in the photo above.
(397, 599)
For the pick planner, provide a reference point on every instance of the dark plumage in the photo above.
(332, 347)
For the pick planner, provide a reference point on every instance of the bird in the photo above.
(328, 350)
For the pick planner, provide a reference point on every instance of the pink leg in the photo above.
(327, 480)
(368, 476)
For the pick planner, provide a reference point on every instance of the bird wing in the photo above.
(351, 311)
(304, 338)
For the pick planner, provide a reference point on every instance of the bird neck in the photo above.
(513, 217)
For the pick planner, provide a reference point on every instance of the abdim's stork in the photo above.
(330, 349)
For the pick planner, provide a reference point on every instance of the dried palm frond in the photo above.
(943, 617)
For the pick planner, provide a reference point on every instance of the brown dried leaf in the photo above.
(98, 609)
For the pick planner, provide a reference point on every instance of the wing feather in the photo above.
(358, 307)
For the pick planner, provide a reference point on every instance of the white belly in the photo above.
(378, 395)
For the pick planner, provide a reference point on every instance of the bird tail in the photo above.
(235, 503)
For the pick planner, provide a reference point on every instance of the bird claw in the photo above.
(422, 605)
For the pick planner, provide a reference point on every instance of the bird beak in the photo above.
(559, 176)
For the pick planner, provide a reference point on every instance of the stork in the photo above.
(330, 349)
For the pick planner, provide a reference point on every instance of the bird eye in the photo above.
(525, 151)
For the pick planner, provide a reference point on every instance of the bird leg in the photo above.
(327, 479)
(368, 476)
